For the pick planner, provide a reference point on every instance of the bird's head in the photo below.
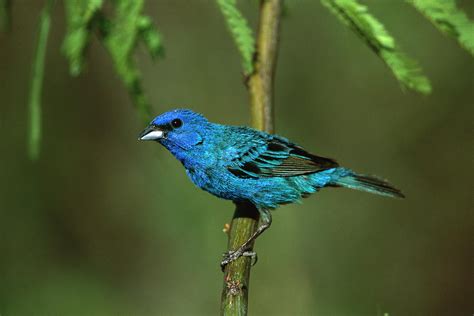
(178, 130)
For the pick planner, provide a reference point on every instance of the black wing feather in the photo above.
(278, 158)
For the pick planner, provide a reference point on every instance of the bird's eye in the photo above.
(176, 123)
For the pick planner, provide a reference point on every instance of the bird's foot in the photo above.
(230, 256)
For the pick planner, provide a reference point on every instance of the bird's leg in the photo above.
(266, 221)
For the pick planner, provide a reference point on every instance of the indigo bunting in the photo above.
(246, 165)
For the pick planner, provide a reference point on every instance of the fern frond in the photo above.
(120, 35)
(120, 40)
(151, 37)
(79, 18)
(241, 32)
(357, 17)
(453, 22)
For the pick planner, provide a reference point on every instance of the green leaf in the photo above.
(121, 35)
(241, 32)
(150, 36)
(5, 8)
(80, 15)
(34, 104)
(357, 17)
(453, 22)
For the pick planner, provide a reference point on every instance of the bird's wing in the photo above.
(276, 157)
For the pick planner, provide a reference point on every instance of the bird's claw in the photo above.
(230, 256)
(252, 255)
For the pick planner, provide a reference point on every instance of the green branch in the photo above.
(234, 300)
(357, 17)
(37, 74)
(445, 15)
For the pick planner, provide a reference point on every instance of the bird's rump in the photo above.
(276, 157)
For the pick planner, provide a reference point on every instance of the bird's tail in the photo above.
(369, 184)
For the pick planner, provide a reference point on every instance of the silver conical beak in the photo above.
(151, 133)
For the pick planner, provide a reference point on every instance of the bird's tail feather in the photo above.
(369, 184)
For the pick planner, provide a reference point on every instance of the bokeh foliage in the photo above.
(5, 6)
(123, 29)
(37, 74)
(120, 30)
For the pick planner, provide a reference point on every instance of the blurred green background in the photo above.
(105, 225)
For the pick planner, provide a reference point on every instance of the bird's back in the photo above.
(264, 169)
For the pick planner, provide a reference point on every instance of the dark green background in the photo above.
(105, 225)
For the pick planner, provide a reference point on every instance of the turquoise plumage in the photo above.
(245, 165)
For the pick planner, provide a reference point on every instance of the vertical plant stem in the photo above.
(260, 83)
(37, 74)
(234, 300)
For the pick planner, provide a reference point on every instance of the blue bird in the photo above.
(246, 165)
